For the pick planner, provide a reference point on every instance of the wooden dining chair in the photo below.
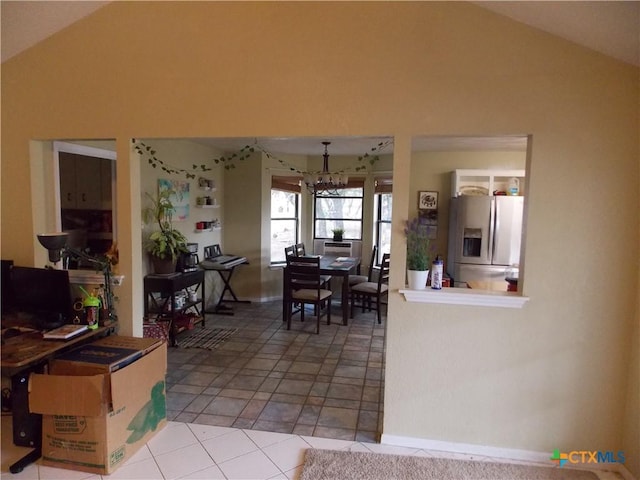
(301, 251)
(290, 251)
(369, 295)
(303, 285)
(355, 279)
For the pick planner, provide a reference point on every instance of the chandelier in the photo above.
(325, 182)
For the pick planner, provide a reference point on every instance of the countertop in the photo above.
(496, 286)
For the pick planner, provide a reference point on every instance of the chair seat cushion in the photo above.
(310, 294)
(369, 287)
(355, 279)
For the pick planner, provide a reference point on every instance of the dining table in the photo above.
(342, 267)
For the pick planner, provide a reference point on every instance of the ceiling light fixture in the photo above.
(325, 182)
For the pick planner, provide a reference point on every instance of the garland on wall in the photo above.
(365, 161)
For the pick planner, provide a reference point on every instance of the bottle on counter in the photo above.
(436, 273)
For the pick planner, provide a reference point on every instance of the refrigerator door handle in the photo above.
(492, 230)
(496, 227)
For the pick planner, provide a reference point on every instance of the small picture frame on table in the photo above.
(427, 200)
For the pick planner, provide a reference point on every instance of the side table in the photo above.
(161, 294)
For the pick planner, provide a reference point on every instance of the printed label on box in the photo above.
(69, 424)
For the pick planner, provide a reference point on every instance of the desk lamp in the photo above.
(54, 243)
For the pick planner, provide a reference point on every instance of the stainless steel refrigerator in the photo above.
(485, 233)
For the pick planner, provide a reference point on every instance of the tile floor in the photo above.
(196, 451)
(268, 378)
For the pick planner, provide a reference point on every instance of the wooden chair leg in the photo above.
(288, 314)
(329, 311)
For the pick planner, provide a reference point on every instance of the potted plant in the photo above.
(418, 254)
(337, 234)
(166, 244)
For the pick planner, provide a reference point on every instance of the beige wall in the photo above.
(552, 375)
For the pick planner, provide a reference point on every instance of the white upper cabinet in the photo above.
(486, 182)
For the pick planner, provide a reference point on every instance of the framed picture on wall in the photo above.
(179, 198)
(427, 200)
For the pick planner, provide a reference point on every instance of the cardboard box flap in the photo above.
(69, 395)
(139, 378)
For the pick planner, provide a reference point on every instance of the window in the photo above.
(382, 205)
(285, 215)
(342, 210)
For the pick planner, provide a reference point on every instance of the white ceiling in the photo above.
(610, 27)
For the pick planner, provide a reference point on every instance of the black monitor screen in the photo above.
(43, 293)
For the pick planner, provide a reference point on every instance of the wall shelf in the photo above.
(465, 296)
(207, 206)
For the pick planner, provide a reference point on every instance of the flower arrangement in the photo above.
(418, 245)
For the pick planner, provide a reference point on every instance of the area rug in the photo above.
(344, 465)
(207, 338)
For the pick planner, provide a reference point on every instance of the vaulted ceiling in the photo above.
(610, 27)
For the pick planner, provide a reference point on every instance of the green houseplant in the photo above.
(338, 234)
(166, 244)
(418, 254)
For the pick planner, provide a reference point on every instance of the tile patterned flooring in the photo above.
(268, 378)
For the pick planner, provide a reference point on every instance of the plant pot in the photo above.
(163, 266)
(337, 238)
(417, 279)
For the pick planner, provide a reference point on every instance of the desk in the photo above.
(329, 265)
(21, 356)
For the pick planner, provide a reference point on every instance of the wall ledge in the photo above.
(466, 296)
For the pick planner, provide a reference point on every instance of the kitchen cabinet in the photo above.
(85, 182)
(484, 182)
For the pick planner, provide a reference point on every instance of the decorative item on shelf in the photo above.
(164, 245)
(325, 182)
(418, 254)
(338, 233)
(206, 183)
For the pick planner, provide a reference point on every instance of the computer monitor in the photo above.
(42, 294)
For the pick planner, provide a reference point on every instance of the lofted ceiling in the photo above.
(610, 27)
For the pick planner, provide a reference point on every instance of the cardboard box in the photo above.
(94, 421)
(105, 355)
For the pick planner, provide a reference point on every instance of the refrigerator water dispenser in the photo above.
(472, 242)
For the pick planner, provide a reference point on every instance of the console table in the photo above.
(160, 292)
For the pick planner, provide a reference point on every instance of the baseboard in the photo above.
(494, 452)
(264, 299)
(466, 448)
